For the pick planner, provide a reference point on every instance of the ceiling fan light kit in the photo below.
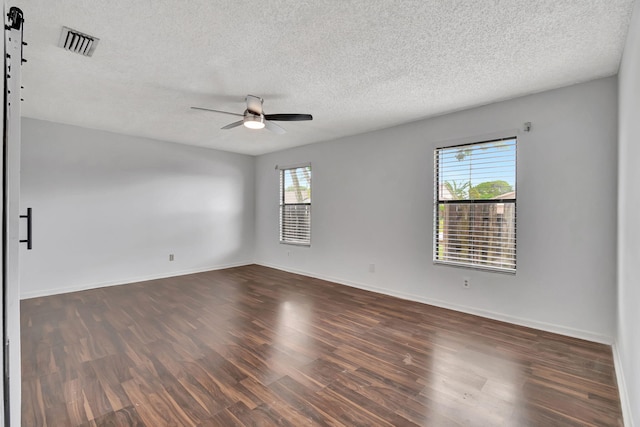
(253, 122)
(254, 117)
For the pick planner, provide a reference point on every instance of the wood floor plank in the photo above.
(254, 346)
(124, 417)
(34, 412)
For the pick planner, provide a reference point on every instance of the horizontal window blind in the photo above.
(475, 205)
(295, 205)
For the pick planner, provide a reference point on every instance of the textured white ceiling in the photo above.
(356, 66)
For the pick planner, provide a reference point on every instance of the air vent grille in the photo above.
(77, 42)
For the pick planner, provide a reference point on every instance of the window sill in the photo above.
(295, 244)
(476, 267)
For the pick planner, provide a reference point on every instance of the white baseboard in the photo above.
(86, 286)
(627, 416)
(548, 327)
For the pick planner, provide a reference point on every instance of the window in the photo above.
(295, 205)
(475, 205)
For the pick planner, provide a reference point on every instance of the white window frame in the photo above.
(511, 135)
(283, 204)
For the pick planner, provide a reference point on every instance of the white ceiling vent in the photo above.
(77, 42)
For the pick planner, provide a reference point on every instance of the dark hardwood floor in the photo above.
(253, 346)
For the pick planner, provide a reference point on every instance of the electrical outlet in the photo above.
(372, 268)
(466, 282)
(170, 257)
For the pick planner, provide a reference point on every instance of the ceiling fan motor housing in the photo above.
(253, 121)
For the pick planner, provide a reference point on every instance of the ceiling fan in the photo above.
(254, 118)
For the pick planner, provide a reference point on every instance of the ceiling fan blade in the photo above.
(288, 117)
(218, 111)
(274, 127)
(254, 104)
(233, 125)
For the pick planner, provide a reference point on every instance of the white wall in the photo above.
(628, 338)
(109, 208)
(373, 203)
